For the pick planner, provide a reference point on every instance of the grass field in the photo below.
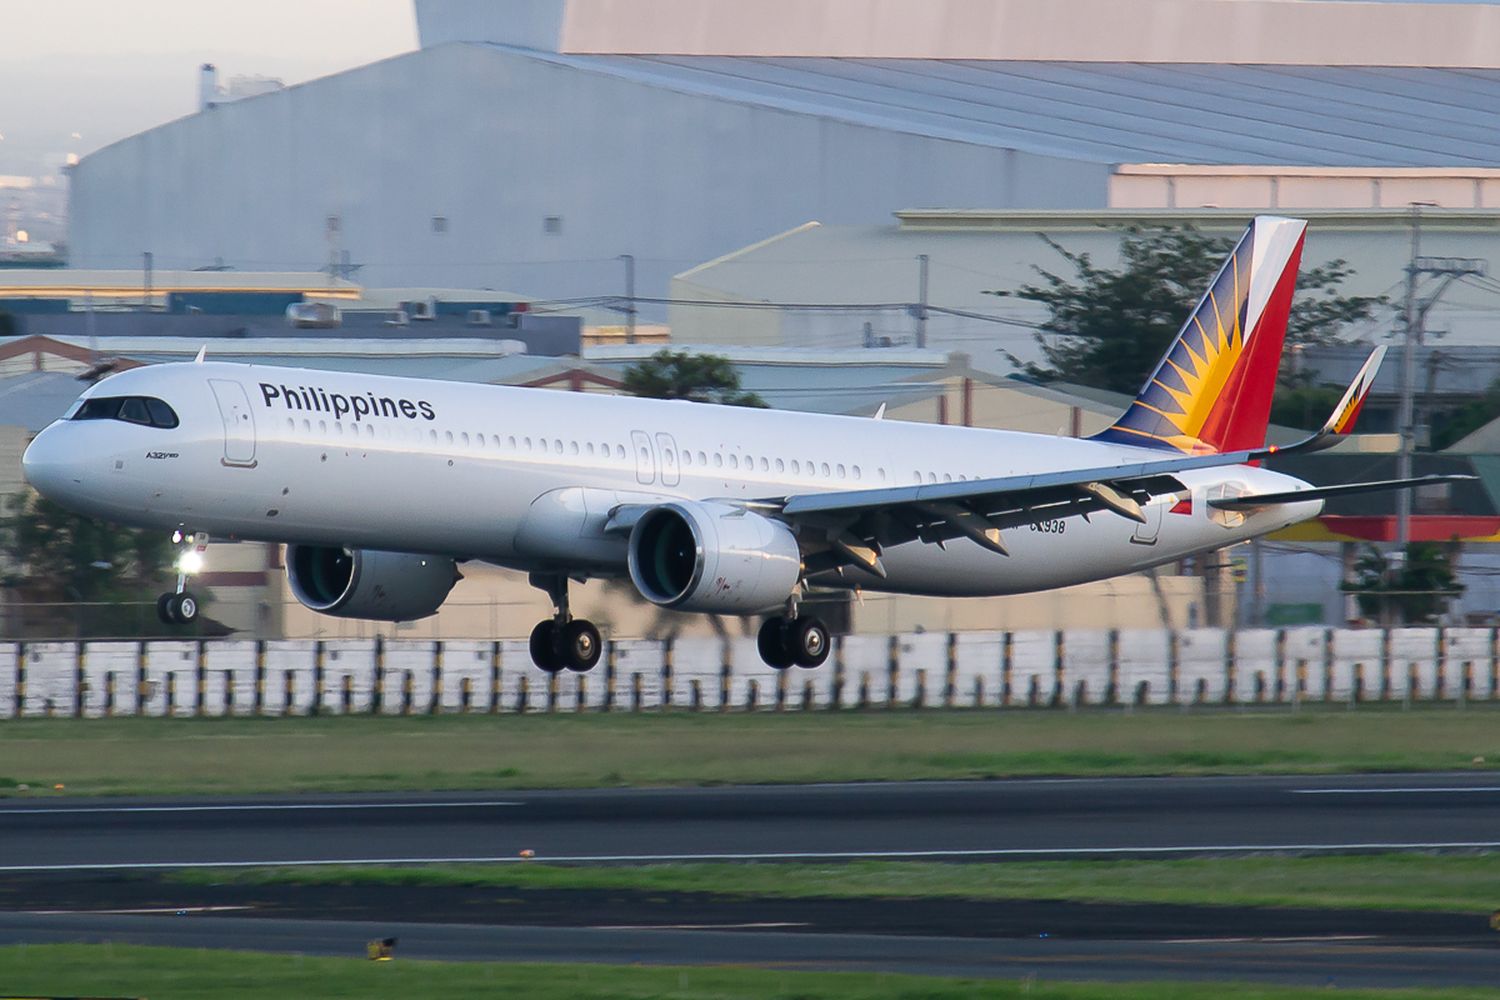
(1460, 884)
(179, 974)
(227, 756)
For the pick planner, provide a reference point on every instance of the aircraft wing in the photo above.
(860, 523)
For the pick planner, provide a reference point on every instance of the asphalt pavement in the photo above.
(989, 819)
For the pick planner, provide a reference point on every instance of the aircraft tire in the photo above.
(580, 645)
(183, 608)
(164, 609)
(772, 644)
(544, 652)
(808, 642)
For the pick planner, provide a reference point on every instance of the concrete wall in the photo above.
(1015, 669)
(497, 142)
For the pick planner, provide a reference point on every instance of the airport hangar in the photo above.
(528, 143)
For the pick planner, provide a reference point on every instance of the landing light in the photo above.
(190, 563)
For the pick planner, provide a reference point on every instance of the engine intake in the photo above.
(365, 583)
(713, 558)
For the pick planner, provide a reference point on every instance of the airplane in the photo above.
(380, 487)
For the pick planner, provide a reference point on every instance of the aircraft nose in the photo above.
(45, 465)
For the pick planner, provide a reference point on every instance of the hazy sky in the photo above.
(105, 69)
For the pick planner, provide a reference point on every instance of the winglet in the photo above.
(880, 413)
(202, 353)
(1340, 422)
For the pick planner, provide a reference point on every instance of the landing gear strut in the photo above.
(178, 607)
(793, 639)
(563, 642)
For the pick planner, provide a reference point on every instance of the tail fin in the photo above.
(1212, 391)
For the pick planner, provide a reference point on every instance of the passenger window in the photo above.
(780, 465)
(796, 467)
(734, 463)
(687, 459)
(856, 472)
(510, 442)
(620, 451)
(840, 471)
(591, 449)
(764, 465)
(947, 478)
(718, 460)
(573, 447)
(557, 446)
(465, 438)
(826, 471)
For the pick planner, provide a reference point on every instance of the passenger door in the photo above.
(239, 422)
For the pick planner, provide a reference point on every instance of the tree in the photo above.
(54, 555)
(1109, 328)
(7, 324)
(1416, 593)
(702, 378)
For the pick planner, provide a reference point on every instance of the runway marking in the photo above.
(1428, 790)
(1311, 938)
(254, 807)
(764, 925)
(138, 912)
(1003, 852)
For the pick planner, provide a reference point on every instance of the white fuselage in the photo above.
(526, 477)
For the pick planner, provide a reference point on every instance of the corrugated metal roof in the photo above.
(1119, 112)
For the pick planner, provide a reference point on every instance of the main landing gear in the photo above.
(178, 607)
(792, 639)
(563, 642)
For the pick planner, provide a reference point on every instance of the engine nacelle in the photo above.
(713, 558)
(364, 583)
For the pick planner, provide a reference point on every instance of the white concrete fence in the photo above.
(1023, 669)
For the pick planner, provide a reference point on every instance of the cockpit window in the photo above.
(134, 410)
(143, 410)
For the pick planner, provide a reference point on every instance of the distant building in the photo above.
(530, 144)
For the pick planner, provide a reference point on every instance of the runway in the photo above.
(981, 820)
(87, 857)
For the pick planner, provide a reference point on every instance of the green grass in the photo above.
(180, 974)
(229, 756)
(1451, 883)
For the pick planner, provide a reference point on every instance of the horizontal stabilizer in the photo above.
(1323, 492)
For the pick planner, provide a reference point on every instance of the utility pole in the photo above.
(629, 259)
(922, 262)
(1450, 269)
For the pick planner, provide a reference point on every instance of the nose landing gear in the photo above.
(178, 607)
(563, 642)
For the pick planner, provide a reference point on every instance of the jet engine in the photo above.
(364, 583)
(713, 558)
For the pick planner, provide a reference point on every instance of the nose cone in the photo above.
(45, 466)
